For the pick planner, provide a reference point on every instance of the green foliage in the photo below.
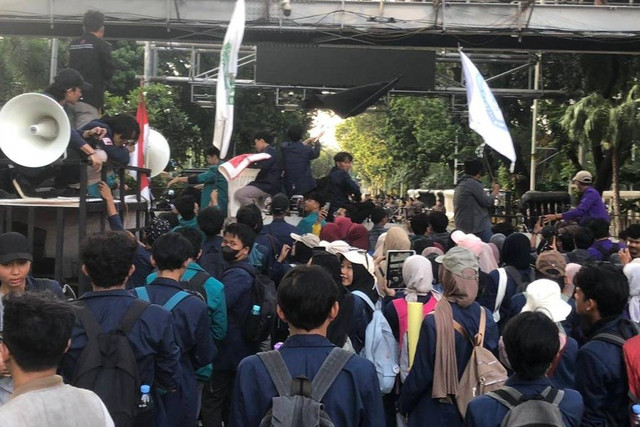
(321, 166)
(129, 61)
(363, 136)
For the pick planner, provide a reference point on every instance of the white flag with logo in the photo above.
(226, 86)
(485, 116)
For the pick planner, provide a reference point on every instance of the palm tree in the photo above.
(611, 125)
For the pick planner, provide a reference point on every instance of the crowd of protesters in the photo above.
(554, 311)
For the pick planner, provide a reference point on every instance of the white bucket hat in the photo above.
(544, 295)
(360, 256)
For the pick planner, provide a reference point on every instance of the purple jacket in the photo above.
(591, 207)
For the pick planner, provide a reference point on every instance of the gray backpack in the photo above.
(298, 401)
(539, 411)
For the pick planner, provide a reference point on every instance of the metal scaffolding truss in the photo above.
(203, 80)
(534, 25)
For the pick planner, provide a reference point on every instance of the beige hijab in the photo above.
(460, 290)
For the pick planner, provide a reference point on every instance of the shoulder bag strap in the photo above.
(277, 370)
(88, 321)
(502, 289)
(328, 372)
(610, 338)
(458, 327)
(508, 396)
(552, 395)
(365, 298)
(142, 293)
(481, 327)
(175, 300)
(132, 315)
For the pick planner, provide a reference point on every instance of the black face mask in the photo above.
(229, 254)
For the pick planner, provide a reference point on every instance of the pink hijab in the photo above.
(358, 237)
(344, 224)
(331, 232)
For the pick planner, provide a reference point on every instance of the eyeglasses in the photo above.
(130, 142)
(366, 258)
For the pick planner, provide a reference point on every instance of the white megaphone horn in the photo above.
(34, 130)
(157, 153)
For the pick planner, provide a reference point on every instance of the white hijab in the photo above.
(418, 277)
(632, 271)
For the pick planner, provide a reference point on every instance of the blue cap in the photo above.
(145, 389)
(636, 409)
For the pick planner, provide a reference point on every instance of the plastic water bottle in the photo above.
(144, 417)
(255, 311)
(635, 415)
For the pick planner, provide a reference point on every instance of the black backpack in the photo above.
(107, 365)
(263, 294)
(195, 285)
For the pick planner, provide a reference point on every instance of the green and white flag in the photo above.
(226, 86)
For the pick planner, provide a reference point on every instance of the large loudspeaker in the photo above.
(34, 130)
(158, 153)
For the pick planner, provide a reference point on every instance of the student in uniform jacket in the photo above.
(269, 179)
(296, 160)
(308, 302)
(601, 294)
(358, 275)
(279, 227)
(210, 221)
(212, 180)
(531, 342)
(108, 261)
(342, 185)
(515, 253)
(427, 383)
(238, 239)
(191, 324)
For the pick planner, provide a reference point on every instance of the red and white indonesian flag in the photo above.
(138, 155)
(236, 165)
(226, 85)
(485, 116)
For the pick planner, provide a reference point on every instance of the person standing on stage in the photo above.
(591, 205)
(471, 204)
(269, 179)
(91, 56)
(212, 180)
(296, 160)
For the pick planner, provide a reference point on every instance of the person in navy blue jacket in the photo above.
(342, 185)
(279, 227)
(191, 324)
(531, 342)
(601, 295)
(515, 254)
(308, 302)
(210, 221)
(269, 179)
(237, 279)
(296, 159)
(423, 394)
(108, 261)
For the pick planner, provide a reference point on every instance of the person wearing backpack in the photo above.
(444, 348)
(602, 292)
(307, 301)
(507, 281)
(210, 222)
(107, 259)
(238, 239)
(602, 247)
(198, 281)
(356, 271)
(528, 398)
(172, 253)
(36, 335)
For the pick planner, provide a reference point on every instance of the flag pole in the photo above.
(534, 127)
